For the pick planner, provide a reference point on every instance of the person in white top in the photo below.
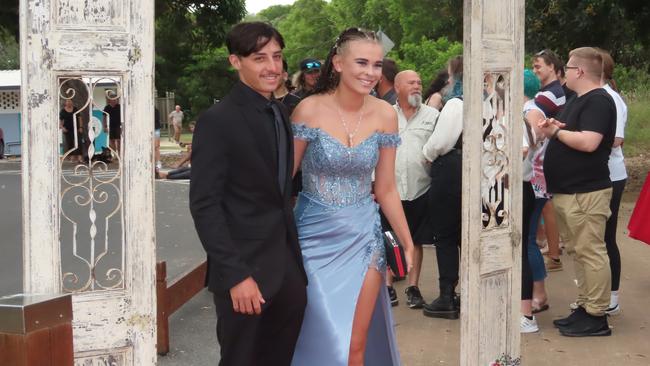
(618, 176)
(176, 118)
(443, 151)
(416, 123)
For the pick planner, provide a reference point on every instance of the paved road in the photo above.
(177, 242)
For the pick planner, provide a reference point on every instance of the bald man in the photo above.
(416, 124)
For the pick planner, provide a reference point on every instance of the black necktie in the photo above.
(281, 142)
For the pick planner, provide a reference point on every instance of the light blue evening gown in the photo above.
(340, 237)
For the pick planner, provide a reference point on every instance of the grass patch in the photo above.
(637, 129)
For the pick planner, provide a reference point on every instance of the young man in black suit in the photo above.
(240, 199)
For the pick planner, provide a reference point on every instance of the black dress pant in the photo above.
(610, 233)
(446, 206)
(528, 202)
(265, 339)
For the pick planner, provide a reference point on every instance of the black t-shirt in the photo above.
(570, 171)
(115, 116)
(290, 101)
(67, 118)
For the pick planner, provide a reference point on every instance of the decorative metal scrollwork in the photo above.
(495, 190)
(91, 241)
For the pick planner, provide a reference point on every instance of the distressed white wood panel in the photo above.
(94, 51)
(497, 20)
(40, 175)
(494, 326)
(107, 357)
(82, 14)
(89, 38)
(491, 256)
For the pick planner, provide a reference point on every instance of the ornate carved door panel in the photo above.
(491, 253)
(89, 225)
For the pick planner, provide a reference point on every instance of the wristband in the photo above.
(555, 134)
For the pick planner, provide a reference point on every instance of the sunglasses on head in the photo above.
(312, 65)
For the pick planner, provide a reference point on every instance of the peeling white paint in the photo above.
(79, 38)
(491, 259)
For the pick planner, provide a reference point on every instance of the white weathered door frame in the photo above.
(491, 252)
(113, 324)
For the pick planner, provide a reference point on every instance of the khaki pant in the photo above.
(581, 219)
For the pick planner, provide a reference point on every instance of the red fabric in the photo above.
(639, 225)
(400, 265)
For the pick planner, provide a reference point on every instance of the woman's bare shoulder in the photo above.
(308, 110)
(385, 115)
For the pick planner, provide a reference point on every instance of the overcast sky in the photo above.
(254, 6)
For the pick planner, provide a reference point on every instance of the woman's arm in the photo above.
(301, 115)
(386, 190)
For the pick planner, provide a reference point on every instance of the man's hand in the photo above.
(246, 297)
(548, 126)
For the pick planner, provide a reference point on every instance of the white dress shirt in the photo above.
(448, 130)
(411, 168)
(617, 169)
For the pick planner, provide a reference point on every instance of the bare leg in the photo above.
(414, 274)
(156, 150)
(362, 316)
(539, 293)
(177, 133)
(552, 233)
(527, 307)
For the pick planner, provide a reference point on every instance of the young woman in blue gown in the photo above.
(342, 135)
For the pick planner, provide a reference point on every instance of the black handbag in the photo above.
(395, 257)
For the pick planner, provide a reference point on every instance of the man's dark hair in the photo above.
(551, 58)
(389, 70)
(249, 37)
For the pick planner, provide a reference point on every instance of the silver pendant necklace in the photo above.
(345, 124)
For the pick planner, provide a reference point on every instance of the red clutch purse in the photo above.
(395, 255)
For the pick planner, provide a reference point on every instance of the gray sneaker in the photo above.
(414, 298)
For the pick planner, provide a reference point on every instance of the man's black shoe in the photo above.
(414, 298)
(575, 315)
(442, 307)
(393, 296)
(587, 326)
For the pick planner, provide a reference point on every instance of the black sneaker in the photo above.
(393, 296)
(575, 315)
(587, 326)
(414, 298)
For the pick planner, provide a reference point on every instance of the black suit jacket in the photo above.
(245, 223)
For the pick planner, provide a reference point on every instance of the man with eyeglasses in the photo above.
(307, 78)
(577, 174)
(551, 97)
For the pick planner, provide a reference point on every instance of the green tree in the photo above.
(618, 26)
(208, 77)
(9, 50)
(431, 19)
(9, 18)
(308, 31)
(274, 14)
(427, 57)
(188, 31)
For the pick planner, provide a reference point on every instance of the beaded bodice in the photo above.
(335, 174)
